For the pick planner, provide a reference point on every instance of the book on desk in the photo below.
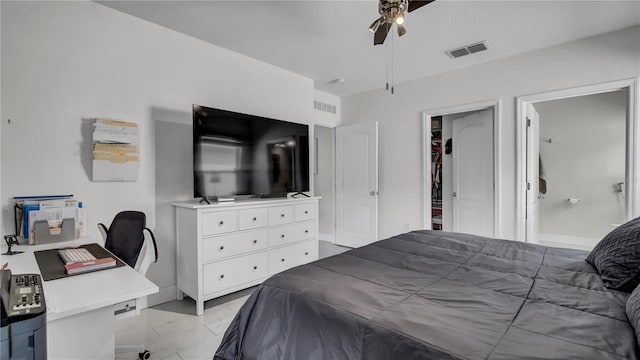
(52, 266)
(87, 266)
(80, 260)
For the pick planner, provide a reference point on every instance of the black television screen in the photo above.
(240, 154)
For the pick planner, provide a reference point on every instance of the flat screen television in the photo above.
(238, 154)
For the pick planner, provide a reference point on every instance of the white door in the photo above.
(357, 184)
(473, 189)
(533, 174)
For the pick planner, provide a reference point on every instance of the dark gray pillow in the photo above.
(633, 312)
(617, 257)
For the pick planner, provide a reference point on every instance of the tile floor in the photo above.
(172, 331)
(567, 241)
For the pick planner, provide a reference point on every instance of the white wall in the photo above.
(599, 59)
(324, 118)
(585, 160)
(64, 63)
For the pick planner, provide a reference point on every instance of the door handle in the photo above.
(373, 193)
(455, 194)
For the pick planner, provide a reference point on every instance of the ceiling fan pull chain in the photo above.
(387, 84)
(387, 87)
(392, 61)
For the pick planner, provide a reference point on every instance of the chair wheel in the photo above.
(145, 355)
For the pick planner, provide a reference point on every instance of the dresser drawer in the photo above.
(280, 215)
(289, 256)
(218, 247)
(291, 233)
(228, 273)
(304, 212)
(252, 218)
(219, 222)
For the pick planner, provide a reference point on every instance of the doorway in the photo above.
(324, 180)
(324, 187)
(461, 163)
(576, 164)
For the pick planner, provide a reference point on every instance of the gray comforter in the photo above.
(435, 295)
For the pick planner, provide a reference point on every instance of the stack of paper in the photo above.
(116, 153)
(54, 211)
(115, 150)
(115, 132)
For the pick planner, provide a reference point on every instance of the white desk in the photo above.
(80, 320)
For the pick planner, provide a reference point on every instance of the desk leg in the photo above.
(199, 307)
(89, 335)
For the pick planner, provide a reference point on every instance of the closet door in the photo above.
(473, 189)
(533, 173)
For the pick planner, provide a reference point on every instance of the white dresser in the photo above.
(226, 247)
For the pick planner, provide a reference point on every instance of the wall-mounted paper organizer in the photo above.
(44, 233)
(49, 218)
(115, 150)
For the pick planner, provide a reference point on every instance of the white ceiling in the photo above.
(325, 40)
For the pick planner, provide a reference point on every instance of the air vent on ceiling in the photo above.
(467, 49)
(324, 107)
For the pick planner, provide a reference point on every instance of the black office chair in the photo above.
(127, 239)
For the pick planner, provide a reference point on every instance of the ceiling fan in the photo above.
(392, 11)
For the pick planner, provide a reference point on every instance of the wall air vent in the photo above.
(320, 106)
(467, 49)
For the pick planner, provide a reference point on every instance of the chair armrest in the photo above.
(155, 245)
(103, 231)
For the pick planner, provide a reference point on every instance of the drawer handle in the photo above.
(222, 276)
(255, 219)
(306, 231)
(306, 211)
(221, 223)
(281, 215)
(306, 253)
(221, 247)
(282, 260)
(255, 268)
(255, 241)
(282, 236)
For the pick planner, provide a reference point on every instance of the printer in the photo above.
(24, 317)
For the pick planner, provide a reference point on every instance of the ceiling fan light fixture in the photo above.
(400, 19)
(401, 30)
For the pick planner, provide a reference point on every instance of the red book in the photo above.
(98, 264)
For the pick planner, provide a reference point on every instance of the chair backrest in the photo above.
(125, 236)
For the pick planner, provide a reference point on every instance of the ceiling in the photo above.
(326, 40)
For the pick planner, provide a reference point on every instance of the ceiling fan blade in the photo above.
(374, 25)
(401, 30)
(416, 4)
(381, 33)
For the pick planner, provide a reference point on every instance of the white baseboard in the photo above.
(327, 237)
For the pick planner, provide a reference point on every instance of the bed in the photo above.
(435, 295)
